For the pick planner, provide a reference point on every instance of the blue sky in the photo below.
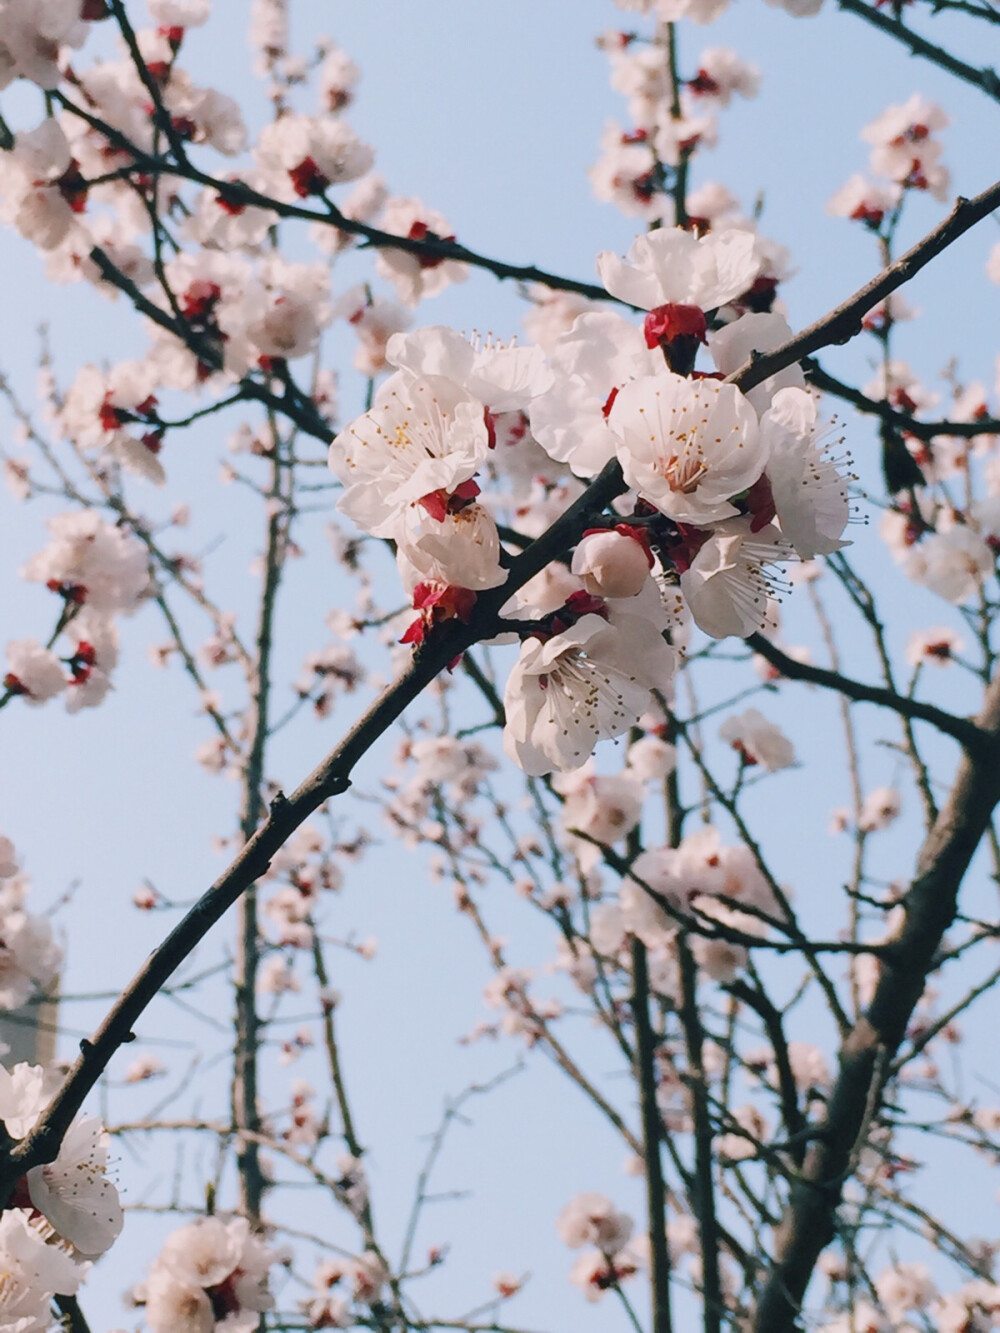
(490, 114)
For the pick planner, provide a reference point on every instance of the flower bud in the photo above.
(611, 564)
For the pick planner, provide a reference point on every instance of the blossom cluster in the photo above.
(468, 451)
(30, 958)
(63, 1214)
(210, 1274)
(722, 486)
(97, 571)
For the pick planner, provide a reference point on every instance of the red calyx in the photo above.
(445, 600)
(14, 685)
(760, 503)
(609, 403)
(627, 530)
(82, 662)
(308, 179)
(415, 632)
(876, 321)
(110, 416)
(95, 10)
(440, 503)
(183, 126)
(200, 299)
(223, 1297)
(174, 35)
(915, 529)
(760, 297)
(578, 605)
(72, 186)
(638, 535)
(419, 231)
(586, 604)
(917, 179)
(517, 432)
(229, 205)
(437, 602)
(666, 323)
(644, 187)
(703, 84)
(870, 216)
(941, 650)
(69, 592)
(746, 759)
(685, 547)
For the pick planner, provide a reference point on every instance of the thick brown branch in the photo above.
(866, 1055)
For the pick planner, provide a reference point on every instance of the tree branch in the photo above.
(984, 79)
(844, 322)
(968, 733)
(878, 407)
(652, 1133)
(865, 1056)
(330, 778)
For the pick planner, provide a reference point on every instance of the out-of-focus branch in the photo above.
(921, 1042)
(713, 1305)
(247, 1026)
(984, 79)
(294, 406)
(237, 192)
(795, 1122)
(878, 407)
(844, 322)
(866, 1055)
(353, 1143)
(160, 115)
(452, 1112)
(839, 326)
(72, 1317)
(330, 778)
(968, 733)
(652, 1134)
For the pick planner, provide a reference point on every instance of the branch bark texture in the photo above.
(808, 1224)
